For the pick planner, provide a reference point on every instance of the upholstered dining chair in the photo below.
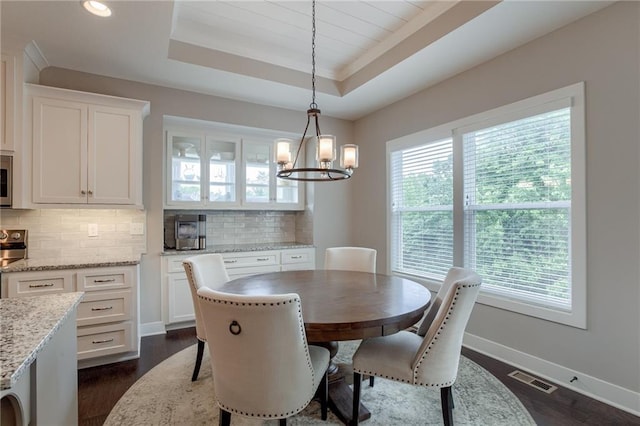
(203, 270)
(360, 259)
(262, 365)
(350, 259)
(430, 360)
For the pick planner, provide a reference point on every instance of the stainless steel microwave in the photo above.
(6, 177)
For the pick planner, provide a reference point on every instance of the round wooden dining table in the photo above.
(343, 305)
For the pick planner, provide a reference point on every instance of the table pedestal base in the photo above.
(341, 402)
(340, 394)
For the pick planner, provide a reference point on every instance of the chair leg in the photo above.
(283, 422)
(371, 380)
(451, 404)
(225, 418)
(324, 394)
(196, 369)
(357, 381)
(446, 399)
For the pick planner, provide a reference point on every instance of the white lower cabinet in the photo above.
(177, 301)
(107, 317)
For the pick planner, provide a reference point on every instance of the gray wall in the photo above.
(166, 101)
(603, 50)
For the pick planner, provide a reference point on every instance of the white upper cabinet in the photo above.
(218, 168)
(7, 102)
(86, 148)
(261, 185)
(202, 170)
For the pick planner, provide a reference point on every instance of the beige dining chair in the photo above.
(203, 270)
(360, 259)
(261, 362)
(350, 259)
(430, 360)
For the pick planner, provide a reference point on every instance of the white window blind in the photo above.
(422, 209)
(517, 188)
(501, 192)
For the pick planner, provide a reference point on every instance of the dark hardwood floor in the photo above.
(99, 388)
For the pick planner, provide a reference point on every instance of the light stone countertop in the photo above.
(26, 265)
(26, 326)
(237, 248)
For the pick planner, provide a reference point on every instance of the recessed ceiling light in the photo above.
(97, 8)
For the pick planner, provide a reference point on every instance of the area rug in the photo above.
(166, 396)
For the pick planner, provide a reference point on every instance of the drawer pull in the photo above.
(262, 259)
(106, 308)
(231, 261)
(96, 342)
(40, 285)
(110, 280)
(297, 257)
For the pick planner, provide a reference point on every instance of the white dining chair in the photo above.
(430, 360)
(360, 259)
(350, 259)
(203, 270)
(262, 365)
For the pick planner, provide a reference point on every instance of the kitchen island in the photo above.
(38, 366)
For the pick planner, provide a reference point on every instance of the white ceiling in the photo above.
(369, 54)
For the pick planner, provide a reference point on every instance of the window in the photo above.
(502, 193)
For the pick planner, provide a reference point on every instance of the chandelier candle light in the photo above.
(325, 144)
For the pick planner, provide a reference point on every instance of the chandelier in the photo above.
(325, 144)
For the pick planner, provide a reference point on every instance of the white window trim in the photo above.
(571, 95)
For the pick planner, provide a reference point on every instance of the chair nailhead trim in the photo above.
(433, 342)
(264, 415)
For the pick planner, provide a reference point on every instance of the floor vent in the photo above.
(532, 381)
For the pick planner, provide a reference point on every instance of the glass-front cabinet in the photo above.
(202, 170)
(223, 170)
(260, 183)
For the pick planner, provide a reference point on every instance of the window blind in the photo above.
(422, 209)
(517, 207)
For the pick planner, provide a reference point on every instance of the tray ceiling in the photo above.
(369, 54)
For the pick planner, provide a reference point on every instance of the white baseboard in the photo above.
(152, 328)
(590, 386)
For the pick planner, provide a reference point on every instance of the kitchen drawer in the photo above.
(298, 266)
(174, 263)
(297, 256)
(37, 283)
(254, 259)
(244, 272)
(101, 307)
(103, 340)
(104, 279)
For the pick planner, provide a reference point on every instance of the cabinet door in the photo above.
(184, 169)
(259, 175)
(113, 153)
(59, 151)
(222, 171)
(262, 188)
(7, 105)
(179, 297)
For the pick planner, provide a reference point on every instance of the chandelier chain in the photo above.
(313, 55)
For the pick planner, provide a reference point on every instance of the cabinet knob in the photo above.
(83, 192)
(90, 192)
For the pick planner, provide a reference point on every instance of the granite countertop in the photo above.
(236, 248)
(26, 326)
(25, 265)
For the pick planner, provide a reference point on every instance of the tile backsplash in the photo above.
(63, 233)
(245, 227)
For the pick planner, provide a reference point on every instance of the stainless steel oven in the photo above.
(6, 177)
